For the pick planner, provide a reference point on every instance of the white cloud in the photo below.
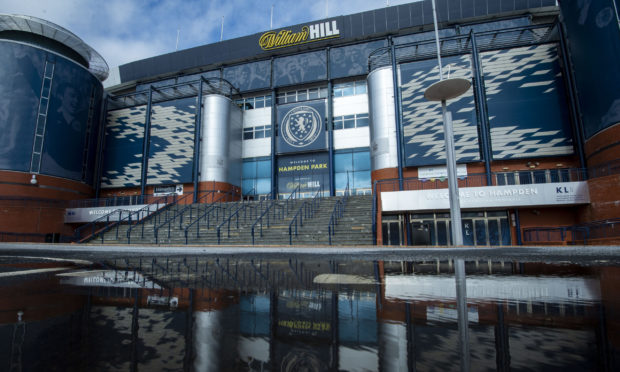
(123, 31)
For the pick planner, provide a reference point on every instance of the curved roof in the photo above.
(96, 64)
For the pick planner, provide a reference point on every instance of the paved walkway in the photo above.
(568, 254)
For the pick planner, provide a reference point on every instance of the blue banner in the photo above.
(301, 127)
(308, 171)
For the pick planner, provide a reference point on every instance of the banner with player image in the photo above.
(301, 127)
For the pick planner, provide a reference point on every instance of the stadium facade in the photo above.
(331, 106)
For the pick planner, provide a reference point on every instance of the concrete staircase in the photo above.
(353, 228)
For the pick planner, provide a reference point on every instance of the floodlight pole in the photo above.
(442, 91)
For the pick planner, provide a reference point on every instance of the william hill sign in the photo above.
(308, 34)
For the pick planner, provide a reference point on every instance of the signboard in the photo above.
(305, 315)
(107, 278)
(79, 215)
(308, 171)
(305, 34)
(168, 190)
(301, 127)
(426, 173)
(546, 194)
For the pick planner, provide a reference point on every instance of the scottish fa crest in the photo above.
(301, 126)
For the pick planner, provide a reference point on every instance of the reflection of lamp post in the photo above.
(444, 90)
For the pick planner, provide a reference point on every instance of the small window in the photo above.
(338, 122)
(267, 101)
(248, 133)
(259, 132)
(360, 87)
(362, 120)
(267, 131)
(349, 121)
(302, 95)
(259, 102)
(313, 93)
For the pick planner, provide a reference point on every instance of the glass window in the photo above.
(361, 180)
(343, 162)
(268, 131)
(249, 169)
(339, 122)
(302, 95)
(360, 87)
(263, 186)
(259, 102)
(313, 93)
(259, 132)
(268, 101)
(362, 120)
(349, 121)
(248, 133)
(263, 168)
(361, 160)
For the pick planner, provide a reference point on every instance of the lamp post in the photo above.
(442, 91)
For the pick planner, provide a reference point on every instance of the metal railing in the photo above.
(575, 234)
(308, 209)
(273, 206)
(214, 208)
(517, 177)
(337, 213)
(236, 214)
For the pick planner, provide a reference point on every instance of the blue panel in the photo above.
(301, 127)
(301, 68)
(594, 42)
(422, 120)
(380, 20)
(454, 9)
(67, 124)
(123, 147)
(254, 319)
(467, 10)
(357, 320)
(250, 76)
(441, 7)
(308, 171)
(416, 13)
(393, 18)
(352, 60)
(20, 87)
(171, 150)
(480, 8)
(369, 22)
(526, 102)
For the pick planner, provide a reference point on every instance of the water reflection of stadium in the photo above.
(190, 313)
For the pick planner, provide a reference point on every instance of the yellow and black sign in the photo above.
(307, 34)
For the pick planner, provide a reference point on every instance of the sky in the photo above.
(123, 31)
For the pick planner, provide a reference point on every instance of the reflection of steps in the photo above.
(354, 228)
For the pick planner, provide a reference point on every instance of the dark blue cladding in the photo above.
(250, 76)
(526, 101)
(423, 133)
(69, 145)
(124, 137)
(69, 113)
(172, 142)
(594, 41)
(300, 68)
(21, 74)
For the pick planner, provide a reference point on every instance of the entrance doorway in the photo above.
(391, 229)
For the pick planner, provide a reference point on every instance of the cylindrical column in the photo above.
(383, 139)
(220, 150)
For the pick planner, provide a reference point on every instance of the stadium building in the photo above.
(334, 106)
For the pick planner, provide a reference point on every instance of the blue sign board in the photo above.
(301, 127)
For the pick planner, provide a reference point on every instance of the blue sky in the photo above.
(127, 30)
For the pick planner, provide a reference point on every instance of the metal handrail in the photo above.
(337, 212)
(181, 213)
(244, 207)
(156, 216)
(273, 204)
(308, 208)
(108, 226)
(206, 214)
